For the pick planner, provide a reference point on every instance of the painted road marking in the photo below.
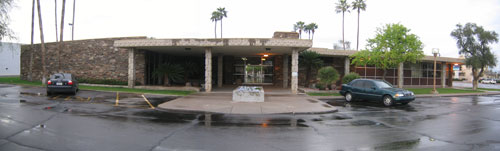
(79, 98)
(88, 99)
(67, 98)
(117, 98)
(152, 107)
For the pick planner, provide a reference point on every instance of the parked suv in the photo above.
(378, 90)
(62, 82)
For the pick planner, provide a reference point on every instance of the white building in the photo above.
(10, 56)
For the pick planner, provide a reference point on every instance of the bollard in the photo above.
(293, 120)
(208, 119)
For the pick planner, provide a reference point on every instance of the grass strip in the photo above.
(17, 80)
(323, 94)
(442, 90)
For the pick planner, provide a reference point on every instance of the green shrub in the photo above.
(328, 75)
(320, 86)
(349, 77)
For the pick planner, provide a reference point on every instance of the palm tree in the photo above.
(312, 27)
(311, 61)
(358, 5)
(61, 47)
(307, 29)
(343, 7)
(169, 72)
(223, 13)
(215, 17)
(44, 70)
(300, 25)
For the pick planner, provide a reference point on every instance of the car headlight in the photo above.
(399, 95)
(412, 94)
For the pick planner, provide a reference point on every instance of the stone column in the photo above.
(443, 75)
(208, 69)
(219, 71)
(400, 75)
(347, 64)
(285, 71)
(295, 70)
(131, 68)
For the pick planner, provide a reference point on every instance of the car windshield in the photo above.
(382, 84)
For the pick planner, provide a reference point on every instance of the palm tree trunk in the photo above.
(165, 80)
(300, 33)
(73, 22)
(61, 40)
(357, 41)
(30, 74)
(215, 29)
(55, 18)
(44, 70)
(221, 28)
(343, 40)
(312, 36)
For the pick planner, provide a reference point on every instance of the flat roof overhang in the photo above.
(232, 46)
(346, 53)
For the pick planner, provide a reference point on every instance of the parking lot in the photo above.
(91, 120)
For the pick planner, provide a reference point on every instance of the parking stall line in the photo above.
(53, 98)
(117, 98)
(145, 99)
(67, 98)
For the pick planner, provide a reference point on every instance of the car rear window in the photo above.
(61, 76)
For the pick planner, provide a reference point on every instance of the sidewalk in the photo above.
(222, 103)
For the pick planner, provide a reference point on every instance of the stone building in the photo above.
(229, 61)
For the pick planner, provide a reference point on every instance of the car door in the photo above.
(357, 89)
(370, 90)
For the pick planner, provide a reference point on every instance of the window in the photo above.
(358, 84)
(382, 84)
(368, 84)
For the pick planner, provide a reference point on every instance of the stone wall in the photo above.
(288, 35)
(90, 59)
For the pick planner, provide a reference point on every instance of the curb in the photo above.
(424, 95)
(209, 112)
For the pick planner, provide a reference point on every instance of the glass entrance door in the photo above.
(254, 70)
(258, 74)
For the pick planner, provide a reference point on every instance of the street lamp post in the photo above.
(435, 51)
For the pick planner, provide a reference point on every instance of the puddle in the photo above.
(165, 117)
(413, 144)
(252, 121)
(312, 101)
(366, 123)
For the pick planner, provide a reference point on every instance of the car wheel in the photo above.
(348, 97)
(49, 93)
(388, 101)
(74, 92)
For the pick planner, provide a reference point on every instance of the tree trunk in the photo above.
(44, 70)
(300, 33)
(30, 74)
(307, 76)
(73, 22)
(165, 80)
(55, 18)
(215, 29)
(61, 40)
(312, 36)
(357, 41)
(221, 27)
(343, 40)
(385, 72)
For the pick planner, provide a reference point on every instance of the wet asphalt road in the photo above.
(32, 122)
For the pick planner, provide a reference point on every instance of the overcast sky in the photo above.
(431, 20)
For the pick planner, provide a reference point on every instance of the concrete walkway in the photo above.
(222, 103)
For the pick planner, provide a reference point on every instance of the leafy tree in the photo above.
(310, 60)
(342, 7)
(473, 42)
(310, 28)
(5, 31)
(223, 13)
(215, 17)
(300, 25)
(328, 75)
(169, 72)
(359, 5)
(349, 77)
(392, 45)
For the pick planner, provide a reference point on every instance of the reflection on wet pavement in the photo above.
(90, 121)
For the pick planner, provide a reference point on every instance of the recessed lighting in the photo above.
(266, 55)
(263, 59)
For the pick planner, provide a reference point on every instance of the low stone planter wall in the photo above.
(248, 94)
